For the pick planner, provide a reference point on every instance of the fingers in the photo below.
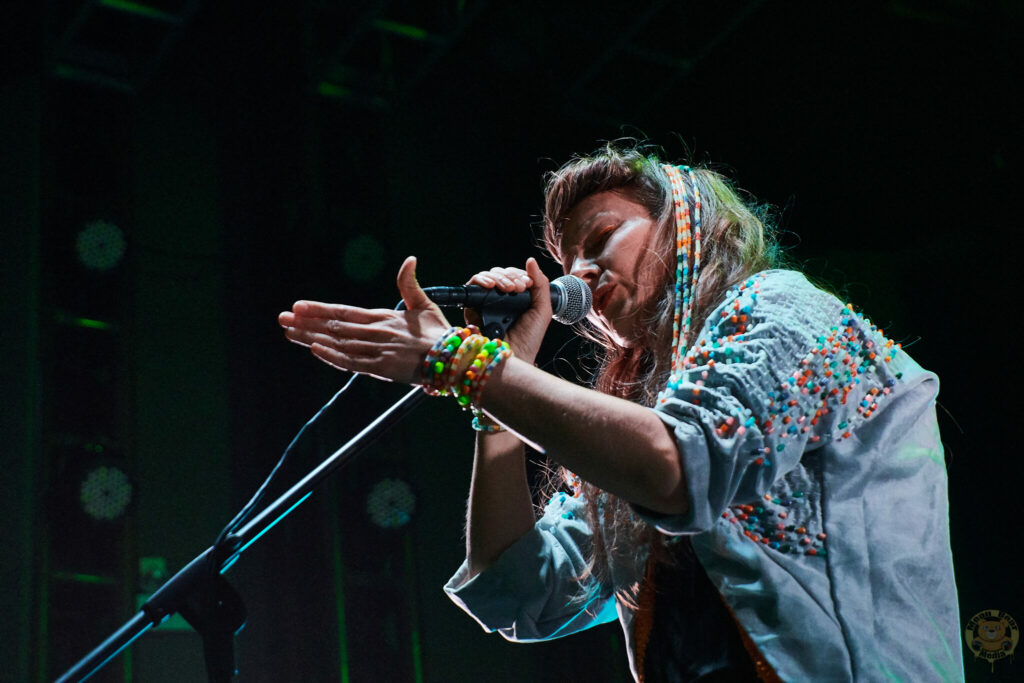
(309, 331)
(307, 319)
(311, 322)
(352, 314)
(353, 346)
(384, 343)
(505, 279)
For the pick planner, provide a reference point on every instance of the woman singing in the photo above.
(754, 485)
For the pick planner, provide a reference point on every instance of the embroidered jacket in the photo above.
(817, 492)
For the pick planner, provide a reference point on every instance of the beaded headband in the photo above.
(686, 275)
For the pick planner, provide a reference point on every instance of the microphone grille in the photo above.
(574, 300)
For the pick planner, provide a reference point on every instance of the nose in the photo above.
(586, 270)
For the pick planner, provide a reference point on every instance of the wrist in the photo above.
(496, 382)
(461, 363)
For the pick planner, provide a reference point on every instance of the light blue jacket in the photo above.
(818, 503)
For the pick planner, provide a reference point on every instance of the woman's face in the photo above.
(606, 240)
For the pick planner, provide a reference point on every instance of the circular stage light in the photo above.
(105, 493)
(100, 245)
(390, 503)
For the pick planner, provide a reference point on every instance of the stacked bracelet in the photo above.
(438, 361)
(470, 348)
(487, 357)
(460, 363)
(500, 352)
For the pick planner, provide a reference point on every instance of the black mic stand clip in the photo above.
(210, 605)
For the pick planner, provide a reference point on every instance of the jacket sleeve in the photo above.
(532, 592)
(776, 370)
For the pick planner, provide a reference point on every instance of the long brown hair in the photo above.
(737, 242)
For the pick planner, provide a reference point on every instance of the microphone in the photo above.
(571, 299)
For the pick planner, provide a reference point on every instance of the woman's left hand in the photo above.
(389, 345)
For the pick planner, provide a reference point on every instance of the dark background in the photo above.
(255, 154)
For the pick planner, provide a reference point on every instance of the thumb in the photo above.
(541, 288)
(409, 287)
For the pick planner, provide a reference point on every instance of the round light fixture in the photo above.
(391, 503)
(105, 493)
(100, 245)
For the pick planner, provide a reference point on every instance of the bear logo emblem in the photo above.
(992, 635)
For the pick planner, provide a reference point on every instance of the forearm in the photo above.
(621, 447)
(500, 506)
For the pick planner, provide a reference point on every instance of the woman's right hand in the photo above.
(526, 334)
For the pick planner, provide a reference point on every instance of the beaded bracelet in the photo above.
(436, 364)
(436, 360)
(470, 348)
(479, 371)
(476, 389)
(481, 358)
(482, 423)
(447, 360)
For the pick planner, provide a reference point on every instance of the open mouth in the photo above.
(601, 295)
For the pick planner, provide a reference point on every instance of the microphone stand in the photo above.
(201, 594)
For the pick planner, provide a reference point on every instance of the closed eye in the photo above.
(600, 237)
(593, 244)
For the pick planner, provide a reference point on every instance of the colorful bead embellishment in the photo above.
(758, 522)
(849, 356)
(575, 483)
(844, 378)
(686, 276)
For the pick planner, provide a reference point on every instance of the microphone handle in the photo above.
(479, 298)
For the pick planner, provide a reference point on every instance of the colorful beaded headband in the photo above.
(686, 275)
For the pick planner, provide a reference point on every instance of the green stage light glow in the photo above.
(341, 93)
(141, 10)
(331, 90)
(404, 30)
(91, 324)
(85, 578)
